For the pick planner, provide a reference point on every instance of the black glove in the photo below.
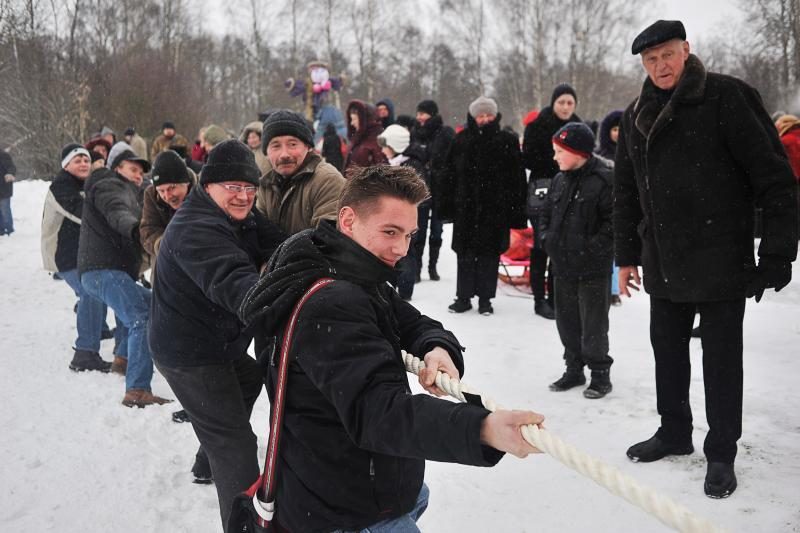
(772, 271)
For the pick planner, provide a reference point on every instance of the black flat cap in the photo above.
(657, 33)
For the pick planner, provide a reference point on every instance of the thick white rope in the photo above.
(662, 507)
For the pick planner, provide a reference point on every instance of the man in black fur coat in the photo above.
(697, 152)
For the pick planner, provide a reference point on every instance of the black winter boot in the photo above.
(544, 309)
(460, 305)
(485, 306)
(86, 360)
(600, 385)
(720, 480)
(433, 258)
(573, 377)
(201, 470)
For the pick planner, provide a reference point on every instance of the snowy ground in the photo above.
(74, 459)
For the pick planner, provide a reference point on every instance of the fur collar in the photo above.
(690, 90)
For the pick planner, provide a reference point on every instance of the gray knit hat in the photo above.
(482, 105)
(285, 122)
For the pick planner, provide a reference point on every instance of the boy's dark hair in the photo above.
(366, 185)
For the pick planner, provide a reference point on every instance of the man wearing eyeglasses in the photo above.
(209, 257)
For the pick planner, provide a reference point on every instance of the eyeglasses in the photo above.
(250, 190)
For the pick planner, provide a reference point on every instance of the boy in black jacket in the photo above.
(578, 238)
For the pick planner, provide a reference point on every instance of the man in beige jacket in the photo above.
(301, 189)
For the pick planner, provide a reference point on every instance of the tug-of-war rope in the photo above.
(662, 507)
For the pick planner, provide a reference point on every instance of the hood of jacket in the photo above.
(385, 122)
(369, 124)
(299, 262)
(607, 146)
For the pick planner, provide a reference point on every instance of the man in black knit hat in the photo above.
(301, 189)
(696, 153)
(435, 138)
(209, 257)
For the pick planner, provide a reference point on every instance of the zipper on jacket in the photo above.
(371, 469)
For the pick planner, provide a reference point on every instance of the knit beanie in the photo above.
(482, 105)
(71, 150)
(215, 135)
(116, 150)
(395, 137)
(562, 88)
(168, 124)
(230, 160)
(285, 122)
(429, 107)
(169, 168)
(575, 137)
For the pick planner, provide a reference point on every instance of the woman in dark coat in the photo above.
(483, 193)
(363, 128)
(537, 154)
(609, 133)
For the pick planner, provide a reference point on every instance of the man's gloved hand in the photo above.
(772, 272)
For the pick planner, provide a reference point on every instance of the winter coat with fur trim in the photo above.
(687, 177)
(364, 148)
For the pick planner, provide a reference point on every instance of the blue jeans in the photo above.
(91, 314)
(6, 221)
(402, 524)
(131, 304)
(615, 281)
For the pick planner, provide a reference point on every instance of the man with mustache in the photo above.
(302, 189)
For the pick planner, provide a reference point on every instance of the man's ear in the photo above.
(686, 50)
(347, 217)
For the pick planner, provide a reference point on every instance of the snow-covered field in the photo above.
(74, 459)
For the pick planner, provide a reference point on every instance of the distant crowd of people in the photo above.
(201, 248)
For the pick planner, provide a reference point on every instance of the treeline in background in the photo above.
(69, 67)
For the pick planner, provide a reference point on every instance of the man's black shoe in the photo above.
(720, 480)
(571, 378)
(600, 385)
(202, 470)
(460, 306)
(433, 274)
(107, 334)
(485, 307)
(544, 309)
(179, 417)
(654, 449)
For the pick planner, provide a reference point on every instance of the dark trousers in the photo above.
(427, 216)
(540, 268)
(721, 337)
(219, 400)
(408, 273)
(582, 321)
(476, 275)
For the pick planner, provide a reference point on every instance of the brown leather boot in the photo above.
(142, 398)
(119, 365)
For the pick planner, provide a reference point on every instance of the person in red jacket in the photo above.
(789, 132)
(363, 127)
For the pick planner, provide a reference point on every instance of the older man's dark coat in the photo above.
(687, 177)
(483, 189)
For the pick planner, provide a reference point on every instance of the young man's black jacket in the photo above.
(576, 222)
(355, 439)
(206, 263)
(109, 237)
